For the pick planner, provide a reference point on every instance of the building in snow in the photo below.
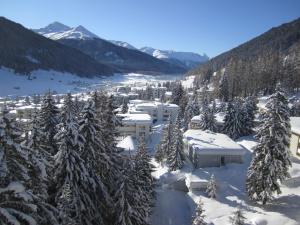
(157, 110)
(135, 125)
(295, 137)
(209, 149)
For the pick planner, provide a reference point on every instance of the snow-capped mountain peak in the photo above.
(188, 59)
(56, 31)
(53, 28)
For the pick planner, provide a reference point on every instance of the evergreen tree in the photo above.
(159, 154)
(39, 156)
(143, 179)
(177, 94)
(68, 110)
(129, 205)
(76, 185)
(188, 115)
(211, 189)
(124, 106)
(208, 119)
(224, 88)
(198, 219)
(271, 157)
(237, 218)
(95, 154)
(16, 200)
(166, 141)
(48, 119)
(234, 122)
(175, 159)
(144, 169)
(250, 109)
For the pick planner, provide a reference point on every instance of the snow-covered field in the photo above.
(12, 84)
(176, 207)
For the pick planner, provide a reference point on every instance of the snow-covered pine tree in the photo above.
(68, 110)
(99, 100)
(250, 109)
(175, 159)
(208, 119)
(144, 168)
(16, 200)
(234, 125)
(224, 88)
(109, 124)
(166, 141)
(198, 219)
(129, 206)
(39, 156)
(90, 130)
(144, 180)
(48, 119)
(95, 153)
(188, 114)
(177, 93)
(159, 154)
(124, 106)
(75, 182)
(78, 105)
(237, 218)
(211, 189)
(271, 157)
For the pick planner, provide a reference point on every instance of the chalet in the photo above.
(295, 137)
(209, 149)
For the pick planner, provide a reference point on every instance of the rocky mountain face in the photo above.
(259, 64)
(25, 51)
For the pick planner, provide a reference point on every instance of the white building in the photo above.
(135, 125)
(295, 137)
(157, 110)
(209, 149)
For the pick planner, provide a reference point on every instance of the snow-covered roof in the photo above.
(210, 143)
(135, 118)
(168, 93)
(128, 144)
(156, 104)
(295, 125)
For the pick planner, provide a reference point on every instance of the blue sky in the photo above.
(210, 26)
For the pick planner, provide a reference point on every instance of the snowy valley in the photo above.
(96, 131)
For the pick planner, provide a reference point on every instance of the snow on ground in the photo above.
(176, 208)
(12, 84)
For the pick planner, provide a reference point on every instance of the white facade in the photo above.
(157, 110)
(295, 137)
(209, 149)
(135, 125)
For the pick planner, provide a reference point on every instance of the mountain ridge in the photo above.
(185, 60)
(258, 64)
(24, 51)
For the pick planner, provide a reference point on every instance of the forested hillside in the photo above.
(258, 64)
(24, 51)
